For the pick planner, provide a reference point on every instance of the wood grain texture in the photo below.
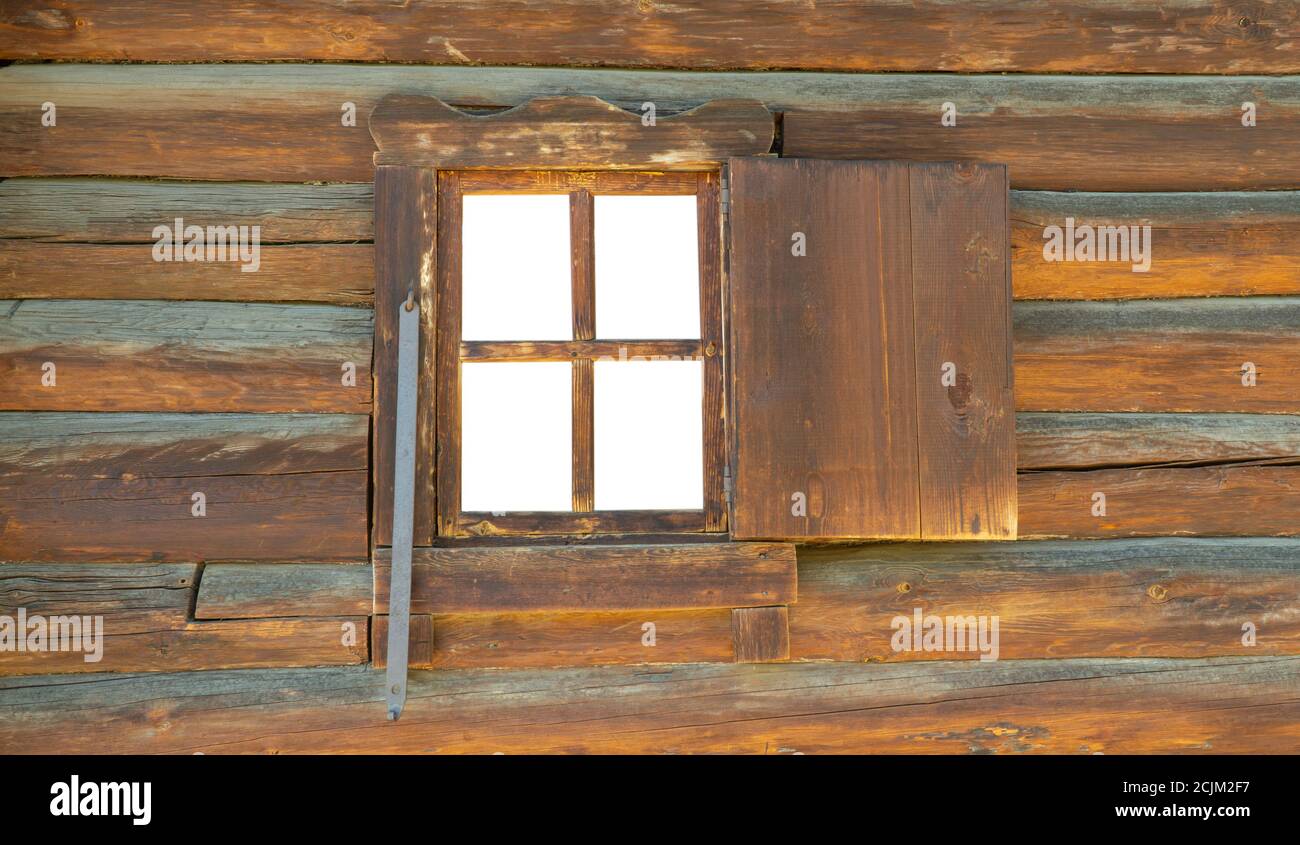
(119, 487)
(1204, 501)
(282, 122)
(760, 634)
(1078, 133)
(1102, 598)
(1102, 441)
(254, 590)
(1202, 244)
(331, 273)
(570, 133)
(1224, 705)
(183, 356)
(144, 625)
(1080, 36)
(822, 356)
(961, 295)
(1161, 355)
(406, 245)
(596, 578)
(420, 643)
(120, 211)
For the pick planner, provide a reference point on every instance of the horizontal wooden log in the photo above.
(1202, 501)
(283, 122)
(121, 487)
(1111, 598)
(1101, 441)
(1081, 36)
(573, 132)
(1075, 133)
(142, 624)
(599, 578)
(419, 644)
(183, 356)
(1167, 355)
(338, 274)
(251, 590)
(117, 211)
(1200, 244)
(1225, 705)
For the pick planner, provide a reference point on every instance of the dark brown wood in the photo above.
(1079, 36)
(961, 292)
(566, 133)
(708, 212)
(1108, 441)
(1203, 501)
(582, 245)
(1010, 707)
(253, 590)
(447, 359)
(406, 209)
(183, 356)
(541, 523)
(1207, 244)
(342, 274)
(420, 646)
(568, 350)
(761, 634)
(1164, 355)
(121, 487)
(823, 362)
(587, 578)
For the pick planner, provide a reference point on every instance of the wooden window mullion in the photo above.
(583, 250)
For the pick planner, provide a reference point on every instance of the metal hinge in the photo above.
(726, 484)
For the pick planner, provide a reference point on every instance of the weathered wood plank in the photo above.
(421, 642)
(1206, 501)
(143, 625)
(593, 578)
(252, 590)
(1225, 705)
(573, 132)
(1200, 244)
(1163, 355)
(1074, 133)
(822, 356)
(1081, 36)
(119, 211)
(760, 634)
(283, 122)
(406, 254)
(1102, 441)
(961, 295)
(338, 274)
(121, 487)
(1108, 598)
(172, 356)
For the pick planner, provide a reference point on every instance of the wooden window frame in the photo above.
(581, 351)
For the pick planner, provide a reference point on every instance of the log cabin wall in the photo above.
(1121, 630)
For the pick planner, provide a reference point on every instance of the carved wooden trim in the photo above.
(569, 133)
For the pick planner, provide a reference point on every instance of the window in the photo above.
(580, 357)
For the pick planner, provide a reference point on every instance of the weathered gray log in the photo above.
(250, 590)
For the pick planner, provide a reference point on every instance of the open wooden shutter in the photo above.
(870, 350)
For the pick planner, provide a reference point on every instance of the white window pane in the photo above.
(647, 268)
(515, 268)
(516, 437)
(649, 435)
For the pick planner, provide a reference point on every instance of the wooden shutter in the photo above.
(843, 426)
